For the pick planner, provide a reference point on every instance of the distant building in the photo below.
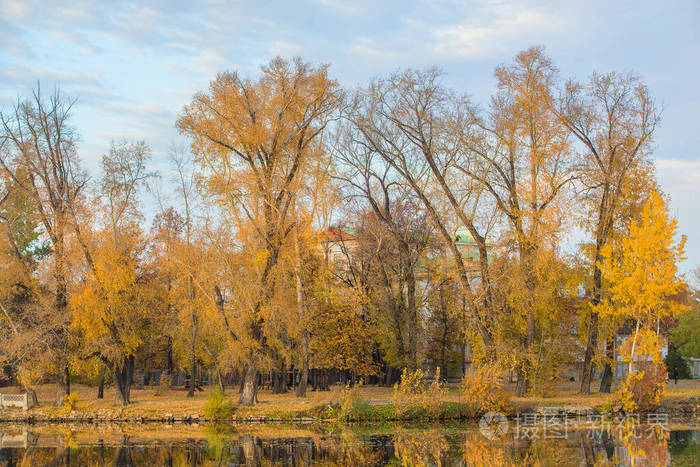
(338, 245)
(624, 334)
(466, 245)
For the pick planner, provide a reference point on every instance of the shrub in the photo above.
(353, 406)
(482, 391)
(413, 398)
(70, 401)
(642, 390)
(218, 406)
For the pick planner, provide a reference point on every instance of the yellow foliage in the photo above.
(70, 401)
(642, 271)
(113, 307)
(420, 449)
(482, 391)
(343, 331)
(412, 392)
(351, 399)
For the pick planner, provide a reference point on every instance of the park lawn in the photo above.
(159, 402)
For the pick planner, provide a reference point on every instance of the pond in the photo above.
(457, 444)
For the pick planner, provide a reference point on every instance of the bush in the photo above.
(675, 361)
(482, 391)
(642, 390)
(218, 406)
(413, 398)
(70, 401)
(352, 402)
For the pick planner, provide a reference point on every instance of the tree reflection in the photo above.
(420, 448)
(617, 443)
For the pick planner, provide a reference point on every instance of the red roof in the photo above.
(336, 234)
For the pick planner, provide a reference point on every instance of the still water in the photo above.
(346, 445)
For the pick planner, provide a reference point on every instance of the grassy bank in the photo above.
(372, 404)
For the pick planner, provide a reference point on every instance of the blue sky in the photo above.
(133, 65)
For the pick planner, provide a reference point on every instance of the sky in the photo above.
(134, 65)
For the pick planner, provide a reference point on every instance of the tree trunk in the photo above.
(61, 305)
(62, 386)
(220, 380)
(249, 394)
(101, 383)
(387, 375)
(193, 354)
(606, 380)
(122, 379)
(591, 345)
(283, 378)
(521, 385)
(445, 330)
(170, 362)
(33, 401)
(411, 308)
(464, 359)
(279, 379)
(303, 378)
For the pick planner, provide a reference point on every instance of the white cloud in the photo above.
(680, 178)
(15, 8)
(472, 39)
(677, 174)
(344, 6)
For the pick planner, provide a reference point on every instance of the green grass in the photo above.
(365, 412)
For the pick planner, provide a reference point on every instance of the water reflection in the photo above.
(634, 445)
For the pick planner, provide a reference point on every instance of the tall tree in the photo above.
(25, 326)
(113, 307)
(256, 141)
(37, 140)
(393, 237)
(185, 181)
(613, 117)
(407, 121)
(523, 160)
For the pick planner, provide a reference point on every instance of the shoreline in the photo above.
(685, 410)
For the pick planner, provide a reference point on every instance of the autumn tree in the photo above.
(522, 158)
(36, 139)
(25, 325)
(344, 334)
(408, 120)
(183, 257)
(115, 307)
(256, 141)
(644, 287)
(393, 237)
(613, 117)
